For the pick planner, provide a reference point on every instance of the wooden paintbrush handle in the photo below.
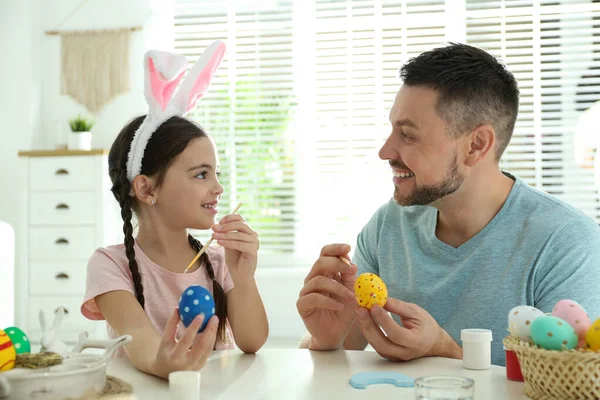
(203, 249)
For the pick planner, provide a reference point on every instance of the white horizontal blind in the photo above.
(320, 182)
(553, 48)
(317, 179)
(247, 110)
(360, 46)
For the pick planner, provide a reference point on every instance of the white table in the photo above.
(303, 374)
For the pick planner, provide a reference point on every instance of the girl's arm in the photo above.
(149, 351)
(247, 316)
(245, 309)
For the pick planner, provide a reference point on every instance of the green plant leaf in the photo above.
(80, 124)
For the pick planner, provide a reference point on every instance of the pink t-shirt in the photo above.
(108, 270)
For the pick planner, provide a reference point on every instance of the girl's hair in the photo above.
(165, 144)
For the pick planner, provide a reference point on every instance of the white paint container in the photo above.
(477, 348)
(184, 385)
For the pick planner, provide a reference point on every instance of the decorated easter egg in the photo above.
(196, 300)
(553, 333)
(575, 315)
(592, 337)
(369, 289)
(19, 339)
(520, 319)
(8, 355)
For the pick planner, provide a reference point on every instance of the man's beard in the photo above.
(425, 195)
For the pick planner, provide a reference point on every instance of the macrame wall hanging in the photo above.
(94, 63)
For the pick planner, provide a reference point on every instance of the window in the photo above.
(359, 48)
(300, 105)
(552, 48)
(249, 108)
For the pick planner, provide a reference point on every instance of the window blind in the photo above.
(299, 108)
(552, 48)
(359, 48)
(249, 108)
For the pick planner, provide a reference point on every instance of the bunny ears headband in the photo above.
(162, 73)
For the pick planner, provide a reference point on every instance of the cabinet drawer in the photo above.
(62, 173)
(62, 208)
(57, 277)
(61, 243)
(73, 319)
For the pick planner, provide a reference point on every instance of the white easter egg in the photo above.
(520, 319)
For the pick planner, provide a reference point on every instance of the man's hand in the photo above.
(326, 303)
(420, 335)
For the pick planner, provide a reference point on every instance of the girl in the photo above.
(164, 168)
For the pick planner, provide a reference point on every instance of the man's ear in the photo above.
(482, 142)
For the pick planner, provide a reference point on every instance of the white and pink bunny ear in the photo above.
(197, 81)
(162, 73)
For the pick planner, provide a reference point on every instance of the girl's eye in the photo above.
(218, 174)
(201, 175)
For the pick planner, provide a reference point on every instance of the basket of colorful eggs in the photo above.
(558, 352)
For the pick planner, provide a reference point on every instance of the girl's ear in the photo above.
(143, 188)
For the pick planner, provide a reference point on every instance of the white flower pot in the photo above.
(80, 141)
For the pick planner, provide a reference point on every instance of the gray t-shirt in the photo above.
(536, 251)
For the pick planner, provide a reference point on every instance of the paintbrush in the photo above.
(203, 249)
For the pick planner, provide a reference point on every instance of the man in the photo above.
(462, 242)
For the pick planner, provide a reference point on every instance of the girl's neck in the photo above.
(168, 248)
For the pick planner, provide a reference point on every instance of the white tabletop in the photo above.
(302, 374)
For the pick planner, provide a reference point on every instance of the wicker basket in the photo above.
(557, 375)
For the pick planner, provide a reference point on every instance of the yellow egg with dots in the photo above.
(369, 289)
(8, 355)
(592, 337)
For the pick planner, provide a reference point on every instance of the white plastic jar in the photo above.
(185, 385)
(477, 348)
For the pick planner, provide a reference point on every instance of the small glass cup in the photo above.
(444, 388)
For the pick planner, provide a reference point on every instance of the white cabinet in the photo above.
(67, 212)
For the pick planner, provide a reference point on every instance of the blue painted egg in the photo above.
(196, 300)
(553, 333)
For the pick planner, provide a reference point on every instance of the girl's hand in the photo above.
(241, 246)
(188, 354)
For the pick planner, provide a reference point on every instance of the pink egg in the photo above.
(575, 315)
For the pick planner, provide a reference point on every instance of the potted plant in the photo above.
(81, 135)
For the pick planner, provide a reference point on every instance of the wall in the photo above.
(19, 107)
(57, 109)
